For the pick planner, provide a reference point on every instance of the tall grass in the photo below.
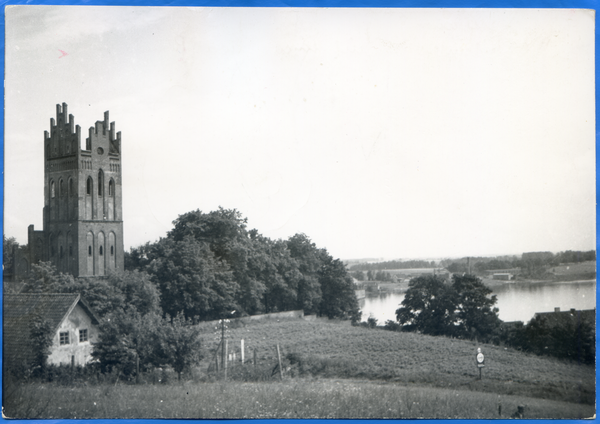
(288, 399)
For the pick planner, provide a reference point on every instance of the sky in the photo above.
(378, 133)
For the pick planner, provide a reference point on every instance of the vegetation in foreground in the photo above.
(288, 399)
(433, 372)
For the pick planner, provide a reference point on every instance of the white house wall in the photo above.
(81, 351)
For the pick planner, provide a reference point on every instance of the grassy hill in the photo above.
(332, 370)
(336, 349)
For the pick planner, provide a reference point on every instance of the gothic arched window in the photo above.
(89, 186)
(71, 187)
(52, 190)
(61, 188)
(111, 187)
(100, 182)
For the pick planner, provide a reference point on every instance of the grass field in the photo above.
(340, 371)
(302, 398)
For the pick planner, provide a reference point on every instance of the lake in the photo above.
(516, 301)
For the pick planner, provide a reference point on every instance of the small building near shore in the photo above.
(505, 276)
(74, 327)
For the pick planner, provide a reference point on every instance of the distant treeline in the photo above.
(399, 264)
(532, 263)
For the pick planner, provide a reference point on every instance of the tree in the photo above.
(338, 298)
(40, 335)
(309, 259)
(180, 343)
(8, 246)
(461, 309)
(359, 275)
(428, 307)
(192, 280)
(475, 315)
(125, 337)
(112, 293)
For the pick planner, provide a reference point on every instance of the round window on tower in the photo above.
(100, 151)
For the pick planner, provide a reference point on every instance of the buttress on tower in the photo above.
(83, 213)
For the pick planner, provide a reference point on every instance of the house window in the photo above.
(83, 335)
(64, 338)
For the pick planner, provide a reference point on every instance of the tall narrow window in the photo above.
(71, 187)
(61, 188)
(100, 182)
(88, 189)
(90, 250)
(111, 188)
(101, 251)
(112, 250)
(52, 189)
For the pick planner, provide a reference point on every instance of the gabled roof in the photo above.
(21, 309)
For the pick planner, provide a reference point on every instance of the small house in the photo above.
(74, 326)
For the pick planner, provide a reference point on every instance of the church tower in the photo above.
(83, 214)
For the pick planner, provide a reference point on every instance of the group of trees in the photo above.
(464, 308)
(209, 266)
(571, 339)
(461, 308)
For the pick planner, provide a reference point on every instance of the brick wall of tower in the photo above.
(101, 214)
(83, 215)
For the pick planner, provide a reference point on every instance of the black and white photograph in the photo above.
(299, 213)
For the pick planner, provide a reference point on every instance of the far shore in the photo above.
(388, 287)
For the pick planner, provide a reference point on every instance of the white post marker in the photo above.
(480, 361)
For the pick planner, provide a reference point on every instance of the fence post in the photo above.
(242, 350)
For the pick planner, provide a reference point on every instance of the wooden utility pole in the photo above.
(279, 359)
(225, 357)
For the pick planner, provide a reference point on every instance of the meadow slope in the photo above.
(336, 349)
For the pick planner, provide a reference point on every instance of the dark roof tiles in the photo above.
(21, 309)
